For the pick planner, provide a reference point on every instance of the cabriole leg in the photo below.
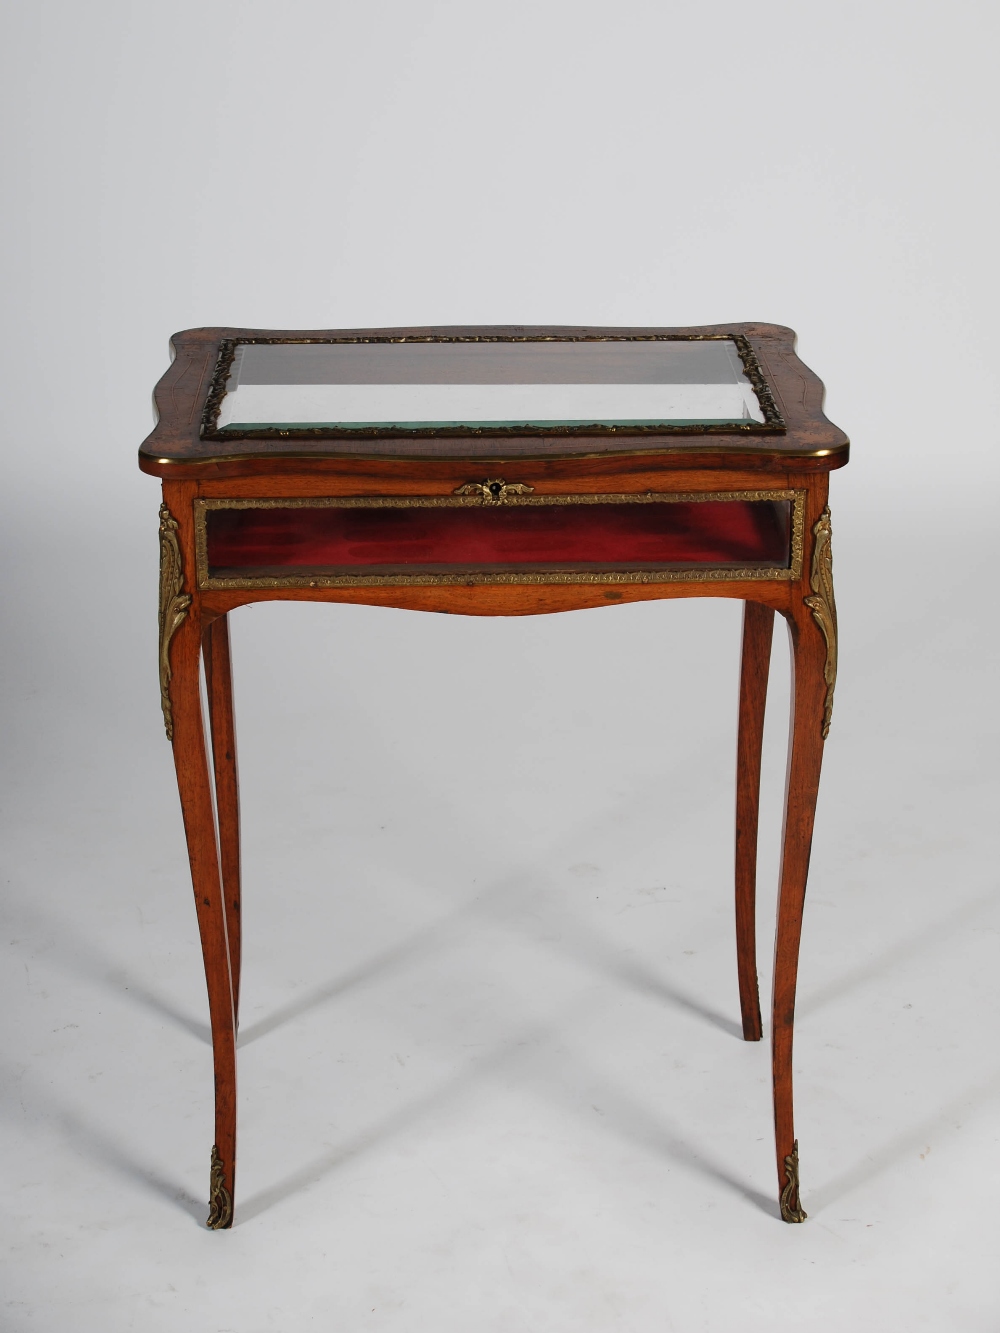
(180, 691)
(219, 687)
(812, 627)
(758, 626)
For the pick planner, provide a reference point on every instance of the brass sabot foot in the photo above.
(791, 1209)
(220, 1201)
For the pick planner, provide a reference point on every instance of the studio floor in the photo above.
(491, 1071)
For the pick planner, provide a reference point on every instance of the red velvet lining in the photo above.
(662, 533)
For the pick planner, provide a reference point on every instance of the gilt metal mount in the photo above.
(494, 491)
(220, 1201)
(824, 608)
(791, 1209)
(173, 607)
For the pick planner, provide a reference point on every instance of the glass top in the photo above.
(434, 385)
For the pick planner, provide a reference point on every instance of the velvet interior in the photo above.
(663, 533)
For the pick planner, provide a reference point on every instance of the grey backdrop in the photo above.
(490, 1072)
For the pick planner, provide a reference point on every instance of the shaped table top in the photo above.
(239, 394)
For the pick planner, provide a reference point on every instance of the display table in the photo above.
(494, 472)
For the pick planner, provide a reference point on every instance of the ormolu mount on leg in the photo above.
(220, 1201)
(824, 607)
(173, 607)
(791, 1209)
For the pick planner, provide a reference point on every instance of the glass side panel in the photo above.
(422, 386)
(613, 535)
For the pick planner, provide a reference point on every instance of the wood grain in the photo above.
(578, 476)
(502, 599)
(219, 689)
(194, 784)
(758, 628)
(805, 758)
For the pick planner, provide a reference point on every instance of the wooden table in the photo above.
(493, 471)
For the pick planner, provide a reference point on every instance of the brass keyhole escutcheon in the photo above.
(494, 490)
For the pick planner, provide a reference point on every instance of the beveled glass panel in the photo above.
(441, 385)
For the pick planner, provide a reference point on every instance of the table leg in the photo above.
(812, 628)
(195, 787)
(758, 627)
(812, 625)
(219, 687)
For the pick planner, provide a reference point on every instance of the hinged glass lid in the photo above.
(442, 385)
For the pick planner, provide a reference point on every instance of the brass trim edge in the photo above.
(824, 607)
(797, 499)
(220, 1201)
(173, 607)
(791, 1208)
